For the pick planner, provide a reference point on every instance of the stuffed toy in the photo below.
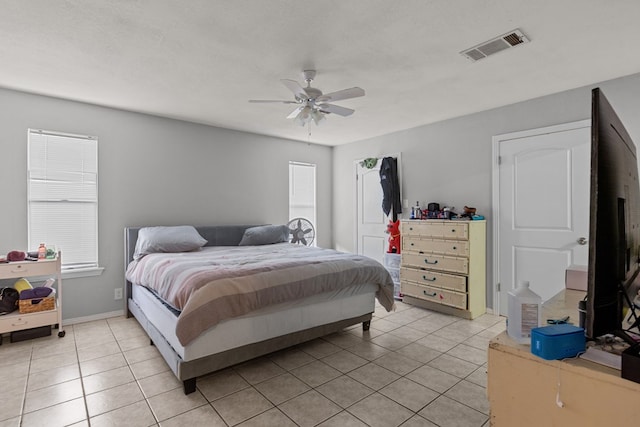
(393, 228)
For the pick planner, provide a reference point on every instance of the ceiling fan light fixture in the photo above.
(299, 121)
(303, 116)
(317, 117)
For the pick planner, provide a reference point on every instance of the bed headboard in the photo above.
(216, 235)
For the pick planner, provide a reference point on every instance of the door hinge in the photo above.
(499, 160)
(497, 287)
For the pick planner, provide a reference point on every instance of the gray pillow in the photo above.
(265, 235)
(181, 238)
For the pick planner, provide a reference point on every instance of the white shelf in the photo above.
(17, 321)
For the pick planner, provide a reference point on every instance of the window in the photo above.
(302, 192)
(63, 196)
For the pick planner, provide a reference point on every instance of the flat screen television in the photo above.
(614, 222)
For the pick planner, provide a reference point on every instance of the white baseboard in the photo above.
(489, 310)
(91, 318)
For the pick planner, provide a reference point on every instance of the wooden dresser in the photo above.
(526, 390)
(444, 266)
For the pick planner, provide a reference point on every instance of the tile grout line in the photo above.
(427, 364)
(26, 386)
(135, 379)
(339, 348)
(84, 393)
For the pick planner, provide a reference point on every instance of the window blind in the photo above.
(63, 196)
(302, 191)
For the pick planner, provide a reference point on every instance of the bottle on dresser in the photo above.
(42, 251)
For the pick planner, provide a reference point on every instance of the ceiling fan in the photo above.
(312, 103)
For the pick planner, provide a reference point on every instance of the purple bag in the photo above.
(39, 292)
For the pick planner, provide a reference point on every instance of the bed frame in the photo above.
(187, 371)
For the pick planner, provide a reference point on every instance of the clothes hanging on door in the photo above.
(390, 187)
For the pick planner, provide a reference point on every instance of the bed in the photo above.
(259, 325)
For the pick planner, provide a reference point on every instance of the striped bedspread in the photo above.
(222, 282)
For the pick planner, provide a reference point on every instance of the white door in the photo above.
(543, 207)
(371, 225)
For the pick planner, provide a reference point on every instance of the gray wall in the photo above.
(450, 162)
(162, 171)
(153, 171)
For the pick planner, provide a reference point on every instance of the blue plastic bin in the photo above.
(557, 341)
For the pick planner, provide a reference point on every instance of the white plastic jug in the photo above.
(524, 312)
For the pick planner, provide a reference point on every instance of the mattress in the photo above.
(260, 325)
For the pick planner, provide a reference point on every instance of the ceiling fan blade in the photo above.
(353, 92)
(336, 109)
(258, 101)
(295, 87)
(295, 112)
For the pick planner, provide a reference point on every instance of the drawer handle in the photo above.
(433, 279)
(426, 261)
(411, 228)
(453, 230)
(20, 322)
(430, 294)
(454, 248)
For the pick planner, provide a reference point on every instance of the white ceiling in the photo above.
(202, 60)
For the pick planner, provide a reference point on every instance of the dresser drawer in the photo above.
(16, 321)
(422, 228)
(435, 246)
(455, 230)
(438, 230)
(428, 293)
(435, 279)
(29, 268)
(436, 262)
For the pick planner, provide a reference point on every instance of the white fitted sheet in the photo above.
(261, 325)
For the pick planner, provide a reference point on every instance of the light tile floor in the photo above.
(413, 368)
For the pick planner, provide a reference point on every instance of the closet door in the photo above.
(371, 221)
(543, 207)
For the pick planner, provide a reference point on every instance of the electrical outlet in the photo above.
(117, 293)
(405, 203)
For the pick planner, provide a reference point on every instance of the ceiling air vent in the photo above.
(505, 41)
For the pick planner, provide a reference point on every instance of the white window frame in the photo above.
(295, 164)
(39, 172)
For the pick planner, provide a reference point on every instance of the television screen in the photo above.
(614, 223)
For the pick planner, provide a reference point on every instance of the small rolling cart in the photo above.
(34, 314)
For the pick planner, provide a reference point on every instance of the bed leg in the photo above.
(366, 325)
(151, 342)
(189, 385)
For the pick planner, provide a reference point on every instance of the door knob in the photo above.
(582, 241)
